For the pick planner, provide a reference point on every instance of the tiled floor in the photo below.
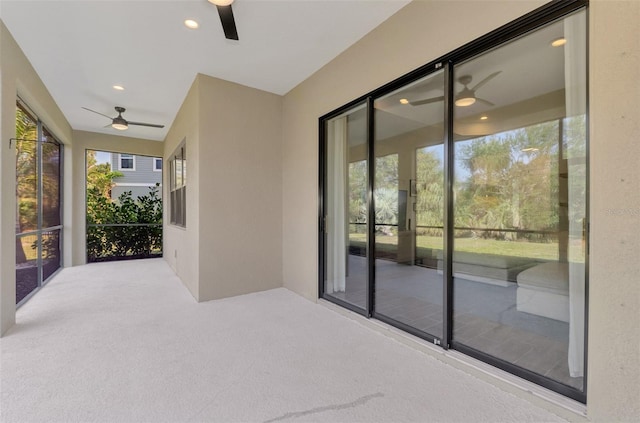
(485, 316)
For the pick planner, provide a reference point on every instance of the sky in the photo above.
(103, 157)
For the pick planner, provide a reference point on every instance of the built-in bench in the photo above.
(493, 269)
(543, 290)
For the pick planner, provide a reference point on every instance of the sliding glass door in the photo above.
(345, 216)
(520, 202)
(408, 201)
(454, 201)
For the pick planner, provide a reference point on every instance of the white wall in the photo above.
(420, 33)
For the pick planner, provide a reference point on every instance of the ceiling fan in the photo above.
(226, 18)
(121, 123)
(467, 96)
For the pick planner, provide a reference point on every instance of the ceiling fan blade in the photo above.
(426, 101)
(228, 22)
(487, 102)
(487, 79)
(101, 114)
(151, 125)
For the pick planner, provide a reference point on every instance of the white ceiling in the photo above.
(81, 49)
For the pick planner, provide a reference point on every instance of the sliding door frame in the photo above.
(510, 31)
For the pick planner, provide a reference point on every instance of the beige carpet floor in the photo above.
(126, 342)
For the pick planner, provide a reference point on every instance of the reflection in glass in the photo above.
(408, 196)
(519, 202)
(346, 207)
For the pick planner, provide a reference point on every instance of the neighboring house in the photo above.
(138, 174)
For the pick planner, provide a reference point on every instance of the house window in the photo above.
(157, 164)
(178, 186)
(127, 162)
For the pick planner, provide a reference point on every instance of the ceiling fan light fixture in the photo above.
(221, 2)
(466, 97)
(119, 123)
(119, 126)
(465, 101)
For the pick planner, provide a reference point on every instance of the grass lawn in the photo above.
(535, 250)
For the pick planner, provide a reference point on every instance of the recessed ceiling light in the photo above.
(404, 101)
(559, 42)
(190, 23)
(118, 87)
(484, 117)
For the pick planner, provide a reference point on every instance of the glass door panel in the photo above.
(520, 202)
(345, 204)
(408, 198)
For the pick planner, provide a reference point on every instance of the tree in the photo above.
(99, 176)
(509, 181)
(430, 189)
(26, 178)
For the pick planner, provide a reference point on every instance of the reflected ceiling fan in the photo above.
(121, 123)
(226, 18)
(467, 96)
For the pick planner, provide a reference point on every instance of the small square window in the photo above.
(127, 162)
(157, 164)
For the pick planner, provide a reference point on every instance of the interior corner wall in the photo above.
(423, 31)
(17, 77)
(614, 288)
(82, 141)
(180, 245)
(240, 169)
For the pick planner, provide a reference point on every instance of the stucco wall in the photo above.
(241, 201)
(614, 285)
(181, 244)
(231, 243)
